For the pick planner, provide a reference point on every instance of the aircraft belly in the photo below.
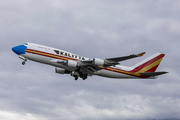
(49, 61)
(36, 58)
(110, 74)
(46, 60)
(55, 64)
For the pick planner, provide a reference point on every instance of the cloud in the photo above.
(94, 29)
(6, 115)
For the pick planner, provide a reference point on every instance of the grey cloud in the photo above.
(93, 29)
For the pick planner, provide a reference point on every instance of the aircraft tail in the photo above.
(148, 66)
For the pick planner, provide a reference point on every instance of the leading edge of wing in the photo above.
(118, 59)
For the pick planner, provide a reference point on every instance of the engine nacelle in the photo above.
(71, 63)
(61, 71)
(74, 73)
(97, 61)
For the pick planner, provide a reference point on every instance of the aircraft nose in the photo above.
(20, 49)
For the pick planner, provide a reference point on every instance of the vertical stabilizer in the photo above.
(150, 64)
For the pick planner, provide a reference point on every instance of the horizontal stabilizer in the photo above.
(153, 73)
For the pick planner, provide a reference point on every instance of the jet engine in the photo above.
(97, 61)
(61, 71)
(71, 63)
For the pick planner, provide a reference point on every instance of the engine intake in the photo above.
(97, 61)
(71, 63)
(61, 71)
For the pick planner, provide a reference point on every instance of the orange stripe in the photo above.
(136, 74)
(150, 62)
(150, 66)
(141, 54)
(49, 55)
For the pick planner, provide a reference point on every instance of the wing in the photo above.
(118, 59)
(89, 66)
(94, 64)
(86, 68)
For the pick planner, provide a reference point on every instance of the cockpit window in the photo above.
(25, 43)
(56, 51)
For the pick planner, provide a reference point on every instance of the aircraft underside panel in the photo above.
(110, 74)
(36, 58)
(46, 60)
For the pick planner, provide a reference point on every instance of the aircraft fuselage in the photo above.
(69, 63)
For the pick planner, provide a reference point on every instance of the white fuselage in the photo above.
(50, 56)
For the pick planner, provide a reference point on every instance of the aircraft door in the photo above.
(47, 48)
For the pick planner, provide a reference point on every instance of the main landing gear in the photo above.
(81, 75)
(76, 77)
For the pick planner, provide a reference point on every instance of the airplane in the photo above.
(83, 67)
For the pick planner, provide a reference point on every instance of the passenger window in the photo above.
(65, 54)
(83, 58)
(56, 51)
(69, 55)
(73, 56)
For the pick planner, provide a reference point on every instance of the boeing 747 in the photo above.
(80, 66)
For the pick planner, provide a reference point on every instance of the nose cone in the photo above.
(19, 49)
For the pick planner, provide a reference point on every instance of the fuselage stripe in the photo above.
(49, 55)
(135, 74)
(151, 65)
(150, 62)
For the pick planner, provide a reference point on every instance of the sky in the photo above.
(95, 29)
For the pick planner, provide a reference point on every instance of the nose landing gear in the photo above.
(25, 59)
(23, 63)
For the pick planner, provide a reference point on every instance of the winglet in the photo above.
(141, 54)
